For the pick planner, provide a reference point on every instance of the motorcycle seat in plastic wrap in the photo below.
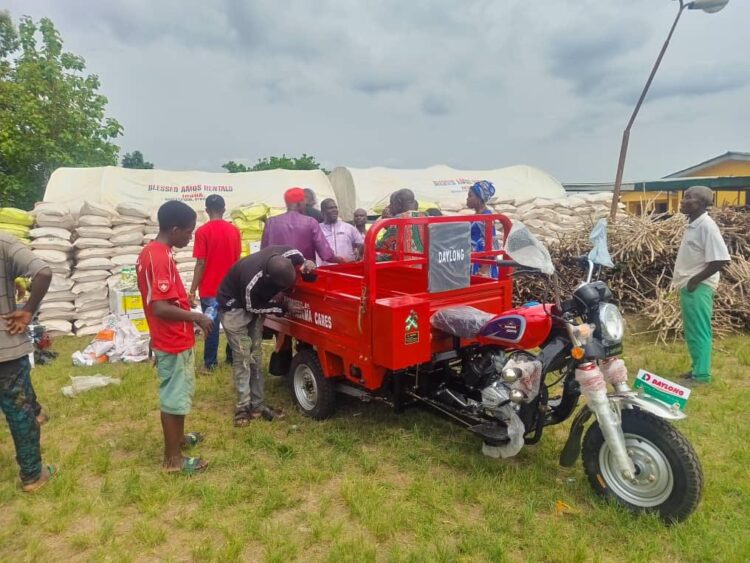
(462, 321)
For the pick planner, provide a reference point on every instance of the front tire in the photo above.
(313, 393)
(669, 478)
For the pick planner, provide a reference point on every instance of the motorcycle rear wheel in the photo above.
(669, 478)
(312, 392)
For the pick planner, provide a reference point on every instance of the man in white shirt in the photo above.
(342, 237)
(702, 255)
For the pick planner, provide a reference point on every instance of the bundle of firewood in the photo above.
(644, 249)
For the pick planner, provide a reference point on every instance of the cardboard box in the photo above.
(139, 320)
(124, 302)
(133, 303)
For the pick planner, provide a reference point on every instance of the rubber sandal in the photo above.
(267, 413)
(192, 439)
(190, 466)
(242, 418)
(48, 472)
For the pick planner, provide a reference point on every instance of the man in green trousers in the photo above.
(702, 255)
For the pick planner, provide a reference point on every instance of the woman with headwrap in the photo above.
(479, 195)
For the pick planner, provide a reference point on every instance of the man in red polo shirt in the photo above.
(217, 248)
(170, 321)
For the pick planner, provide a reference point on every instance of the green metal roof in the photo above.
(719, 183)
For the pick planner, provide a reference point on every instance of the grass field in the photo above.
(367, 485)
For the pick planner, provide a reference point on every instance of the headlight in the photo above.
(612, 323)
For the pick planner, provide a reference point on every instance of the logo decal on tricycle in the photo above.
(662, 389)
(412, 328)
(509, 327)
(301, 311)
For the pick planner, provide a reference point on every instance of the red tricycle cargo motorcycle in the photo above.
(414, 323)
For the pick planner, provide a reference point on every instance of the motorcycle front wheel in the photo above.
(669, 478)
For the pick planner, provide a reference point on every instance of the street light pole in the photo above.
(709, 6)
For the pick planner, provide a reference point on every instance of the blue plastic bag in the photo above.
(600, 252)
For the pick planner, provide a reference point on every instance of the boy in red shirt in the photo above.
(217, 249)
(170, 321)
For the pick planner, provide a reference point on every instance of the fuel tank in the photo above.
(524, 327)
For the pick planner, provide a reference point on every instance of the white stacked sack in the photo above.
(51, 241)
(93, 251)
(550, 219)
(151, 229)
(52, 236)
(185, 264)
(111, 240)
(57, 310)
(129, 228)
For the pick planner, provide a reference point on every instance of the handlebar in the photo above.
(520, 268)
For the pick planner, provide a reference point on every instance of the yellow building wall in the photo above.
(639, 202)
(730, 199)
(728, 168)
(653, 202)
(661, 202)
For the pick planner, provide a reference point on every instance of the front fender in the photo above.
(572, 448)
(648, 404)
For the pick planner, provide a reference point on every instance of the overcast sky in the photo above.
(473, 84)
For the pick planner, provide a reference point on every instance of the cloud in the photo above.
(138, 23)
(435, 104)
(699, 83)
(376, 85)
(595, 62)
(477, 84)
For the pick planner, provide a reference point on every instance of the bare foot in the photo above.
(186, 465)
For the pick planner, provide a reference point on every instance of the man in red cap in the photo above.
(297, 230)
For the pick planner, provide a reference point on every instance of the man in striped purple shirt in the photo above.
(297, 230)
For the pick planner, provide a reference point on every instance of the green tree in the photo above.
(51, 111)
(284, 162)
(135, 160)
(233, 167)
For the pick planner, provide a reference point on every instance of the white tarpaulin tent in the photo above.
(442, 186)
(112, 185)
